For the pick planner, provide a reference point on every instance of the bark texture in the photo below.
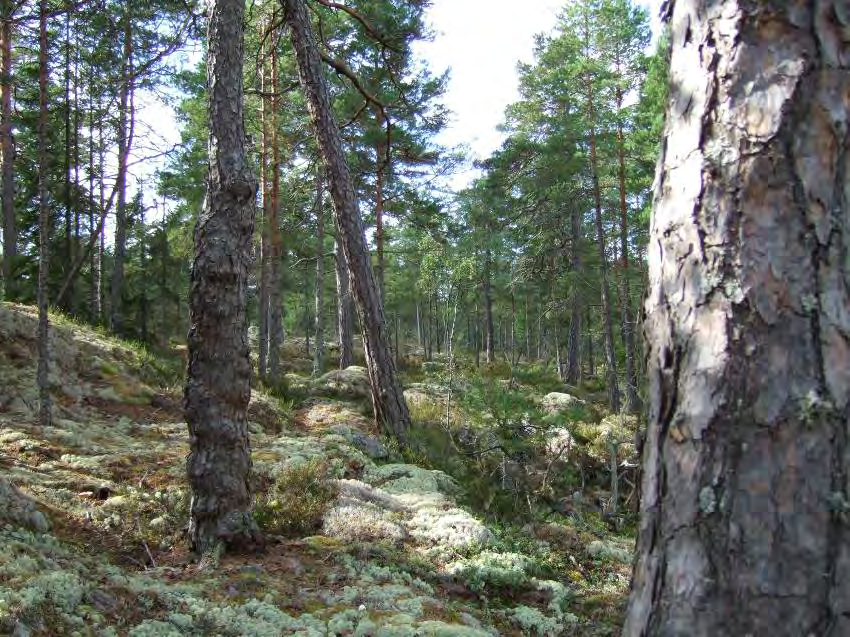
(387, 398)
(319, 314)
(219, 374)
(744, 526)
(276, 249)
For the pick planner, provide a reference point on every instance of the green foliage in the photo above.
(297, 499)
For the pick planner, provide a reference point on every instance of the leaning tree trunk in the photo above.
(42, 371)
(219, 374)
(745, 491)
(344, 309)
(387, 398)
(7, 157)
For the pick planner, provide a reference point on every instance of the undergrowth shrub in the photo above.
(297, 499)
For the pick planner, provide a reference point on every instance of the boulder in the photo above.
(352, 383)
(558, 401)
(367, 443)
(19, 509)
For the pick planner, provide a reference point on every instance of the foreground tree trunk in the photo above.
(219, 374)
(387, 398)
(745, 491)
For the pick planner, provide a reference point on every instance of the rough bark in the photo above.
(219, 373)
(318, 318)
(42, 371)
(125, 137)
(344, 309)
(745, 491)
(387, 398)
(7, 156)
(381, 163)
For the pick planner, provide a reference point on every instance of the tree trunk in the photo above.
(219, 373)
(125, 139)
(276, 253)
(319, 318)
(95, 308)
(344, 309)
(573, 372)
(608, 330)
(43, 369)
(632, 405)
(68, 256)
(381, 163)
(7, 155)
(745, 490)
(387, 398)
(489, 345)
(265, 190)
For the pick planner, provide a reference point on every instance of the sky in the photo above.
(481, 41)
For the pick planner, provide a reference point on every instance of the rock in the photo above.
(102, 601)
(21, 630)
(20, 407)
(352, 382)
(367, 443)
(17, 508)
(158, 522)
(558, 401)
(115, 502)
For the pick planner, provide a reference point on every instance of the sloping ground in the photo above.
(395, 553)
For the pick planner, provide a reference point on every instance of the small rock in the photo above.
(367, 443)
(115, 502)
(102, 601)
(158, 522)
(556, 401)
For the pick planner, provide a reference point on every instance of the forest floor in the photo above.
(484, 530)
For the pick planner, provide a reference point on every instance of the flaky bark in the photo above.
(219, 374)
(387, 398)
(745, 492)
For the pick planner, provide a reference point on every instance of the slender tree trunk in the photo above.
(43, 369)
(387, 398)
(344, 309)
(68, 256)
(745, 491)
(265, 189)
(591, 354)
(573, 372)
(276, 255)
(319, 318)
(7, 150)
(143, 280)
(381, 163)
(219, 373)
(489, 347)
(608, 330)
(419, 322)
(632, 399)
(477, 335)
(95, 308)
(125, 139)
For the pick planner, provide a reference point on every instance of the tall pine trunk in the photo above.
(265, 190)
(628, 322)
(43, 368)
(745, 490)
(344, 309)
(387, 398)
(319, 317)
(7, 156)
(276, 251)
(489, 345)
(125, 139)
(219, 373)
